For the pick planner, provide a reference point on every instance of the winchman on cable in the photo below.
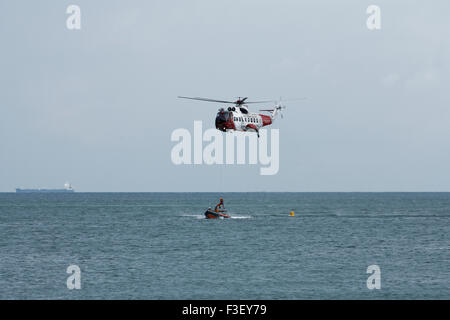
(220, 205)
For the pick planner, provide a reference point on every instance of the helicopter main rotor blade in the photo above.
(275, 101)
(206, 99)
(239, 102)
(289, 100)
(267, 101)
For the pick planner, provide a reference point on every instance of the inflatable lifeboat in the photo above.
(211, 214)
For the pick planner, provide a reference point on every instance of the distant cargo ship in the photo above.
(67, 188)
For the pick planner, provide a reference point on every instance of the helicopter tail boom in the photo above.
(275, 111)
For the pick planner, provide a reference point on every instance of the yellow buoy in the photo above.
(292, 214)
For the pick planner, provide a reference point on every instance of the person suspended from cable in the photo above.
(220, 205)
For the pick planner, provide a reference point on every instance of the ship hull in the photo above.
(45, 190)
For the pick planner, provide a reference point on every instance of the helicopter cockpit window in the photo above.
(225, 115)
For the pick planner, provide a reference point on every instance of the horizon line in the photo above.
(79, 192)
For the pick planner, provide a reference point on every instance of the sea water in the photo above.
(160, 246)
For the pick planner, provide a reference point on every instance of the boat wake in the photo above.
(201, 216)
(198, 216)
(240, 217)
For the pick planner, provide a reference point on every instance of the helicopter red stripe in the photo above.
(267, 120)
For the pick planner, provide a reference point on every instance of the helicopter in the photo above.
(237, 117)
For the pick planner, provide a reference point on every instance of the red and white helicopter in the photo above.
(238, 118)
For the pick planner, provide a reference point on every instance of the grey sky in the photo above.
(96, 107)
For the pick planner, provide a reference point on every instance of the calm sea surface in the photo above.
(159, 246)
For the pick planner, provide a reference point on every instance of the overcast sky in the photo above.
(97, 106)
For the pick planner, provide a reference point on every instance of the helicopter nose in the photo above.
(220, 122)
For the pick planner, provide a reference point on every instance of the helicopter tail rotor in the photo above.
(277, 109)
(279, 106)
